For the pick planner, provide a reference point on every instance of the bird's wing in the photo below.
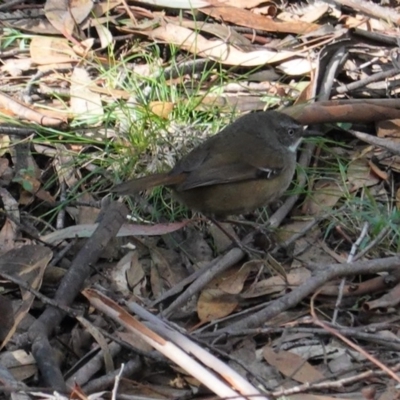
(222, 160)
(197, 158)
(229, 173)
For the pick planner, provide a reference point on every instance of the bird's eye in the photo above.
(290, 132)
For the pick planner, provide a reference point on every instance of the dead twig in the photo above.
(372, 9)
(366, 81)
(332, 384)
(334, 332)
(322, 274)
(349, 260)
(229, 259)
(68, 289)
(385, 143)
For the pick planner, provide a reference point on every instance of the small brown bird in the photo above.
(247, 165)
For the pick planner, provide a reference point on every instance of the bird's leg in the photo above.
(243, 245)
(262, 236)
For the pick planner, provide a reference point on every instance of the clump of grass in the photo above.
(151, 144)
(134, 141)
(357, 207)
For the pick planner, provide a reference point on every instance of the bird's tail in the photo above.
(147, 182)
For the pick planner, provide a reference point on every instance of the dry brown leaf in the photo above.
(276, 284)
(80, 9)
(275, 267)
(84, 231)
(214, 304)
(32, 188)
(390, 299)
(292, 365)
(389, 129)
(219, 297)
(127, 274)
(21, 364)
(10, 231)
(104, 7)
(105, 35)
(8, 235)
(51, 50)
(184, 4)
(390, 393)
(16, 67)
(246, 350)
(27, 263)
(45, 196)
(195, 246)
(398, 199)
(234, 279)
(219, 239)
(307, 247)
(243, 17)
(167, 269)
(237, 3)
(297, 67)
(83, 48)
(221, 31)
(161, 108)
(362, 22)
(85, 104)
(389, 160)
(64, 14)
(377, 171)
(24, 112)
(84, 215)
(136, 277)
(157, 287)
(325, 194)
(359, 175)
(26, 197)
(63, 163)
(102, 342)
(114, 93)
(216, 49)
